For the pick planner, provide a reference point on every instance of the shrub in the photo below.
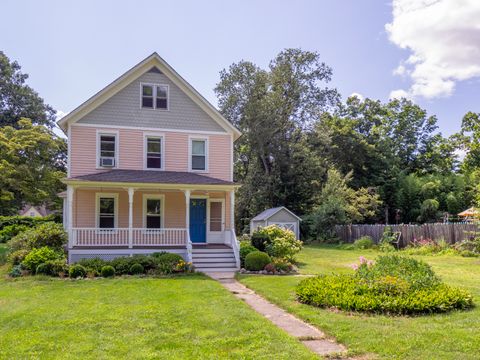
(28, 220)
(386, 247)
(137, 269)
(77, 271)
(387, 295)
(471, 245)
(148, 262)
(257, 260)
(53, 267)
(270, 268)
(108, 271)
(121, 265)
(282, 265)
(93, 266)
(16, 257)
(185, 267)
(166, 263)
(10, 231)
(16, 271)
(260, 240)
(282, 243)
(245, 249)
(48, 234)
(365, 242)
(39, 256)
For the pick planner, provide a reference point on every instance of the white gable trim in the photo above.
(283, 208)
(132, 74)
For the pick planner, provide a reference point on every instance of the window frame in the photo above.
(154, 92)
(101, 133)
(161, 136)
(99, 196)
(209, 215)
(146, 197)
(191, 139)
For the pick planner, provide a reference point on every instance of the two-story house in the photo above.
(150, 168)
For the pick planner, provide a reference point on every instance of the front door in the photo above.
(198, 220)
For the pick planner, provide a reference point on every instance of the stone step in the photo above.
(215, 265)
(217, 269)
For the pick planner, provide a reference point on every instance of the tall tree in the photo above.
(32, 162)
(18, 100)
(273, 108)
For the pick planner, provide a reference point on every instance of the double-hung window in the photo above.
(106, 211)
(198, 155)
(153, 211)
(155, 96)
(153, 152)
(107, 150)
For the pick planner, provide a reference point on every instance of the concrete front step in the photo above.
(217, 269)
(215, 265)
(212, 255)
(210, 250)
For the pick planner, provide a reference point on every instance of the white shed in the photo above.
(280, 216)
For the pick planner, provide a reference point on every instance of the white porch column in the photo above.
(131, 191)
(232, 210)
(187, 224)
(70, 192)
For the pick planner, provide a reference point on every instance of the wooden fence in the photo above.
(451, 233)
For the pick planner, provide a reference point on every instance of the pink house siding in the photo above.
(83, 143)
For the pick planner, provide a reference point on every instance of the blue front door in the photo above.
(198, 220)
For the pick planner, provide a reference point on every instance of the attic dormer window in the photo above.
(155, 96)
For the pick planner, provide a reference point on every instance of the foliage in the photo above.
(32, 163)
(10, 231)
(282, 265)
(77, 271)
(167, 263)
(257, 260)
(184, 267)
(365, 242)
(245, 249)
(53, 268)
(18, 100)
(260, 240)
(109, 271)
(386, 247)
(47, 234)
(39, 256)
(471, 245)
(16, 271)
(429, 247)
(16, 257)
(28, 221)
(281, 243)
(137, 269)
(93, 265)
(388, 294)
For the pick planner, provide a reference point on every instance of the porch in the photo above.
(109, 221)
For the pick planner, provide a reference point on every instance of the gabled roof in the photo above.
(267, 214)
(153, 60)
(41, 209)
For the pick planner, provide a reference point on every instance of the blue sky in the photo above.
(72, 49)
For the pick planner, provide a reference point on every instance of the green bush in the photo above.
(122, 265)
(148, 262)
(48, 234)
(257, 260)
(388, 295)
(166, 263)
(93, 265)
(77, 271)
(16, 271)
(245, 249)
(365, 242)
(28, 221)
(10, 231)
(39, 256)
(16, 257)
(471, 245)
(282, 265)
(282, 243)
(386, 247)
(107, 271)
(137, 269)
(260, 240)
(53, 268)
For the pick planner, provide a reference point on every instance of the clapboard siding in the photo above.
(131, 151)
(123, 109)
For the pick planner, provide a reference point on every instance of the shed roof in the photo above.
(266, 214)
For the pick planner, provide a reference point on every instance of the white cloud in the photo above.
(60, 114)
(444, 39)
(398, 94)
(358, 95)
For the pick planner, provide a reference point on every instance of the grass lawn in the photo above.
(454, 335)
(189, 317)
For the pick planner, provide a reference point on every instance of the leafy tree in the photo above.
(32, 162)
(468, 140)
(18, 100)
(274, 108)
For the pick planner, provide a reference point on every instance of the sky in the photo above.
(426, 50)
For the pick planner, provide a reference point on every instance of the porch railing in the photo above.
(129, 237)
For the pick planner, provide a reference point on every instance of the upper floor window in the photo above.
(198, 156)
(153, 152)
(107, 147)
(155, 96)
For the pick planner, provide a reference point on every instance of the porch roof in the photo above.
(150, 177)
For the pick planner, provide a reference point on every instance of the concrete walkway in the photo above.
(310, 336)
